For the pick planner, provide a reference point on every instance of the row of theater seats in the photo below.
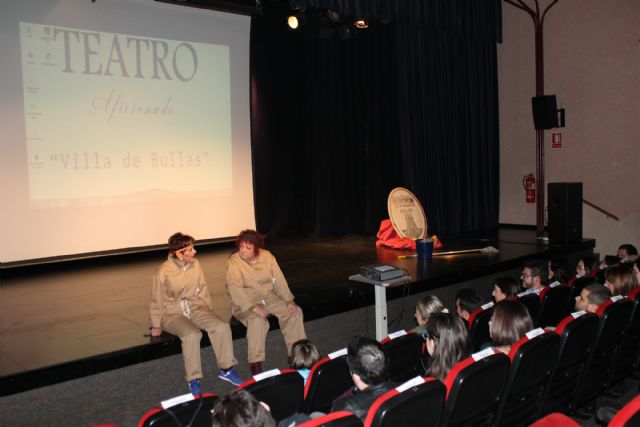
(548, 371)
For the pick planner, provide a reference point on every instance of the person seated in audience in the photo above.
(620, 280)
(504, 288)
(534, 276)
(636, 270)
(369, 367)
(304, 354)
(241, 409)
(558, 270)
(510, 322)
(627, 252)
(447, 343)
(467, 300)
(591, 297)
(425, 307)
(585, 266)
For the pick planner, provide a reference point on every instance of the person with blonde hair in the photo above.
(425, 307)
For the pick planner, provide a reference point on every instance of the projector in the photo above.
(381, 272)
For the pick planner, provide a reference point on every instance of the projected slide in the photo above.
(123, 122)
(105, 115)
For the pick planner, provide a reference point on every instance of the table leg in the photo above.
(381, 312)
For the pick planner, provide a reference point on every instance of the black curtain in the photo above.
(336, 124)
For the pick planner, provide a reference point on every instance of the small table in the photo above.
(381, 299)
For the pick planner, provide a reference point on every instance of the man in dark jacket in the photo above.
(369, 368)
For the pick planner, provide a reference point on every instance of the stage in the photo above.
(78, 318)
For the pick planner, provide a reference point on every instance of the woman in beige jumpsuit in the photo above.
(258, 289)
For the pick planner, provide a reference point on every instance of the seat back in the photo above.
(631, 344)
(282, 390)
(417, 402)
(628, 416)
(532, 359)
(195, 412)
(404, 350)
(577, 333)
(614, 315)
(334, 419)
(554, 304)
(474, 386)
(328, 379)
(531, 300)
(555, 419)
(478, 325)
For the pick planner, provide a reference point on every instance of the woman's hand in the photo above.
(294, 309)
(155, 332)
(261, 311)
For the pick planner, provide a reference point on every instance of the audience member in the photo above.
(504, 288)
(304, 354)
(636, 270)
(558, 270)
(534, 276)
(620, 280)
(467, 300)
(585, 266)
(425, 307)
(447, 343)
(510, 322)
(241, 409)
(591, 297)
(627, 250)
(369, 367)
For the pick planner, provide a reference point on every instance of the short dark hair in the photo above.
(509, 323)
(538, 269)
(508, 286)
(304, 354)
(179, 241)
(368, 359)
(452, 343)
(597, 293)
(631, 250)
(560, 269)
(468, 299)
(240, 409)
(253, 237)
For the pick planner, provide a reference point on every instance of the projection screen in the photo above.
(123, 121)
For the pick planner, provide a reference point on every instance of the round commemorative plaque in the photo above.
(406, 214)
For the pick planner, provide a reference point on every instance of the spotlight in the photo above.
(295, 21)
(361, 23)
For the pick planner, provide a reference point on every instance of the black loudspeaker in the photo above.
(545, 112)
(565, 212)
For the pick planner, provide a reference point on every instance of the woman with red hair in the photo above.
(258, 289)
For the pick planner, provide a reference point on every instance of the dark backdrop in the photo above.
(412, 101)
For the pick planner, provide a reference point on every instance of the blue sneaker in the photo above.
(194, 387)
(230, 375)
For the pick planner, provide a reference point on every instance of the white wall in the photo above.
(592, 65)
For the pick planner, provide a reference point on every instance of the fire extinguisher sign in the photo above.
(556, 140)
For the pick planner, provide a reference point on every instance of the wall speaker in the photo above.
(565, 212)
(545, 112)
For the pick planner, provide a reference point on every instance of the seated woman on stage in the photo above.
(510, 322)
(258, 289)
(180, 304)
(505, 288)
(447, 343)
